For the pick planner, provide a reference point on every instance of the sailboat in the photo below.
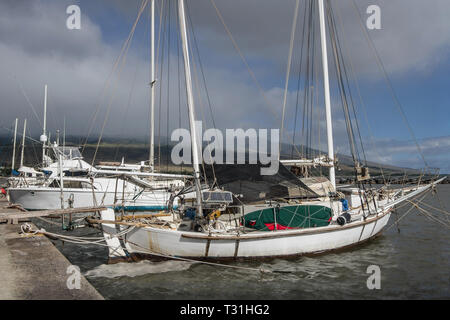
(66, 180)
(211, 226)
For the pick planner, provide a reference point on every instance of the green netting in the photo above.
(288, 217)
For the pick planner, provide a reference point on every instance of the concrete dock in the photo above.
(31, 267)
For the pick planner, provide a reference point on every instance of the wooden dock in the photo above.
(32, 267)
(14, 213)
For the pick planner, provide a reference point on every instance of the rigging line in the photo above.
(128, 105)
(288, 71)
(120, 71)
(306, 85)
(200, 65)
(107, 83)
(163, 47)
(312, 89)
(243, 59)
(22, 90)
(168, 87)
(434, 208)
(339, 63)
(350, 132)
(206, 90)
(298, 84)
(152, 82)
(342, 89)
(428, 214)
(179, 76)
(319, 110)
(20, 134)
(344, 68)
(389, 83)
(305, 90)
(156, 66)
(404, 215)
(159, 32)
(127, 108)
(200, 102)
(360, 97)
(347, 82)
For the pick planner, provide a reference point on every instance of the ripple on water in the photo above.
(136, 269)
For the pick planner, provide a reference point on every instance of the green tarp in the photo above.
(288, 217)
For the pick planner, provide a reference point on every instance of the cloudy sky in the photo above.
(36, 48)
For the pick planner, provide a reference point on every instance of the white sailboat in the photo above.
(209, 227)
(66, 180)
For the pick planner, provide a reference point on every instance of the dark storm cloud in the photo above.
(36, 48)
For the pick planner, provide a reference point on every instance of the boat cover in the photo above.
(246, 180)
(288, 217)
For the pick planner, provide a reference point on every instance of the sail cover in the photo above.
(288, 217)
(246, 180)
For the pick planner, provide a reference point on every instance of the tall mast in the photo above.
(64, 134)
(23, 142)
(14, 147)
(152, 86)
(190, 100)
(326, 85)
(43, 138)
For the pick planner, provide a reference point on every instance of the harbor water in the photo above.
(413, 259)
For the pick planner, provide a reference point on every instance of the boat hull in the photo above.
(254, 245)
(50, 199)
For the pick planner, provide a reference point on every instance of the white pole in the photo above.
(61, 182)
(326, 85)
(64, 135)
(190, 100)
(14, 147)
(44, 131)
(23, 142)
(152, 87)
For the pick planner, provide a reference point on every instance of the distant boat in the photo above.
(66, 180)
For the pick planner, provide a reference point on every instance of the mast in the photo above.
(23, 142)
(14, 147)
(61, 181)
(44, 136)
(64, 134)
(190, 100)
(326, 85)
(152, 86)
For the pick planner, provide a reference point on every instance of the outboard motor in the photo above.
(343, 219)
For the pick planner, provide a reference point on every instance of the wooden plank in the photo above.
(43, 213)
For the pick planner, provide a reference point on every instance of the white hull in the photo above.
(50, 198)
(169, 243)
(255, 244)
